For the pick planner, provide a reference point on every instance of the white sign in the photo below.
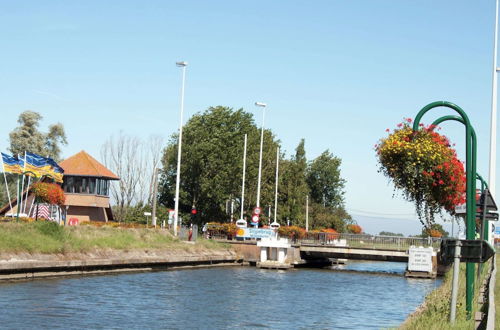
(255, 233)
(171, 214)
(420, 259)
(461, 209)
(255, 218)
(148, 214)
(257, 210)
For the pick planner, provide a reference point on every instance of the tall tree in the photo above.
(27, 137)
(122, 155)
(294, 187)
(211, 169)
(325, 182)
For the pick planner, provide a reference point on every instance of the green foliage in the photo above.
(323, 178)
(326, 217)
(27, 137)
(388, 233)
(212, 153)
(293, 187)
(211, 170)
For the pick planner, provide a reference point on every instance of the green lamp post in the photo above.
(470, 169)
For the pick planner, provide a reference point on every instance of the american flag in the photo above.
(43, 211)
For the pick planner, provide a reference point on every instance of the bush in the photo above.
(293, 232)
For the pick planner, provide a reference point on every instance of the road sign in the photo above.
(148, 214)
(255, 218)
(487, 207)
(257, 210)
(475, 251)
(488, 201)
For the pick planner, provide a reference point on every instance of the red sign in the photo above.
(255, 218)
(256, 210)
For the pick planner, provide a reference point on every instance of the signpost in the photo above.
(474, 251)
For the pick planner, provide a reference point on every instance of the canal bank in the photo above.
(28, 266)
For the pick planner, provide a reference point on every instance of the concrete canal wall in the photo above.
(27, 266)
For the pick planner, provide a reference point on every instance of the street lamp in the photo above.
(493, 122)
(178, 179)
(263, 105)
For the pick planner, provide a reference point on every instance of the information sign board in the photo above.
(420, 259)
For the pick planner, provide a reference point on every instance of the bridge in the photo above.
(360, 247)
(317, 247)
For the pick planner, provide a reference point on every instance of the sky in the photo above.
(336, 73)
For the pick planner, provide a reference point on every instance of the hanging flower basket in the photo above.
(50, 193)
(424, 167)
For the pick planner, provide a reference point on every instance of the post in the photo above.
(454, 286)
(232, 208)
(307, 213)
(178, 177)
(19, 193)
(7, 187)
(493, 125)
(243, 180)
(155, 193)
(493, 122)
(277, 180)
(259, 104)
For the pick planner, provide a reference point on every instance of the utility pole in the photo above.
(155, 193)
(307, 213)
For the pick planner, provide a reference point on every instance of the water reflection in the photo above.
(219, 298)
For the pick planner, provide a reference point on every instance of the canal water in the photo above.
(218, 298)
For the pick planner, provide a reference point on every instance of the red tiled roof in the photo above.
(84, 164)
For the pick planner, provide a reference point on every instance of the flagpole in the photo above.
(7, 186)
(22, 184)
(27, 194)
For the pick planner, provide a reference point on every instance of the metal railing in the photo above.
(367, 241)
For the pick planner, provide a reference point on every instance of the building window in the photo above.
(86, 185)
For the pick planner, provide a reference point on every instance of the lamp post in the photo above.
(470, 172)
(178, 178)
(263, 105)
(493, 121)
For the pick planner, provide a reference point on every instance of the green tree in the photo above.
(388, 233)
(293, 187)
(212, 161)
(323, 178)
(326, 217)
(27, 137)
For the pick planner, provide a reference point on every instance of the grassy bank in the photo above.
(435, 312)
(48, 237)
(497, 294)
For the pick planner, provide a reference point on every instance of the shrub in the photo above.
(354, 229)
(50, 193)
(292, 232)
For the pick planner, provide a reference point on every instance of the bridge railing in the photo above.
(368, 241)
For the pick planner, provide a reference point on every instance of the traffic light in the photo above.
(193, 214)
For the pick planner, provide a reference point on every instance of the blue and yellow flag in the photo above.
(11, 164)
(41, 166)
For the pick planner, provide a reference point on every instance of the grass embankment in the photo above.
(435, 311)
(497, 293)
(48, 238)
